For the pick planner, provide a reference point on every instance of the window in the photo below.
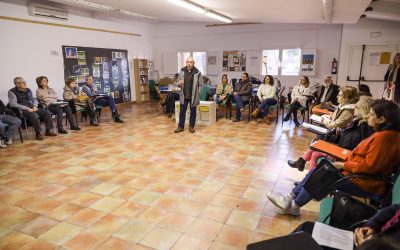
(291, 62)
(199, 58)
(281, 62)
(270, 62)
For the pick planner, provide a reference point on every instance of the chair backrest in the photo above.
(205, 90)
(396, 191)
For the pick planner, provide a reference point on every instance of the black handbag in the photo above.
(321, 182)
(332, 136)
(347, 212)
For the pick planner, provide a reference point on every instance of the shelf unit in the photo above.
(141, 80)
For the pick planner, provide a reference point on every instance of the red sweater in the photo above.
(378, 154)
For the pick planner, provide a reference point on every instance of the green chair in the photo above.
(204, 92)
(153, 92)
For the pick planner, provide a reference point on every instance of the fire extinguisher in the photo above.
(334, 67)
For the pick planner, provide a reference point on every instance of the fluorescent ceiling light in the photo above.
(218, 17)
(130, 13)
(91, 4)
(188, 5)
(383, 16)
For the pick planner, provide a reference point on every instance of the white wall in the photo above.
(173, 37)
(359, 34)
(25, 47)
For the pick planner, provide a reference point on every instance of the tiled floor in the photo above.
(138, 185)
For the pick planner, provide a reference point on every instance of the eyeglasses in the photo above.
(21, 82)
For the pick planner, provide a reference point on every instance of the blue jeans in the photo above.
(303, 197)
(182, 114)
(264, 106)
(239, 104)
(107, 101)
(14, 125)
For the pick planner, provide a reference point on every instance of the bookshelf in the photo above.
(141, 80)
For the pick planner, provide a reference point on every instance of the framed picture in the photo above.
(307, 66)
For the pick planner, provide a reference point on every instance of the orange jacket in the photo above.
(378, 154)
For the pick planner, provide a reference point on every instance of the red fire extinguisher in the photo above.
(334, 66)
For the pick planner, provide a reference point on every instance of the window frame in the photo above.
(191, 53)
(280, 58)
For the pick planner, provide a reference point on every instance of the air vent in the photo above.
(47, 11)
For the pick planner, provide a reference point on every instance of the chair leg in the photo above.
(20, 135)
(277, 115)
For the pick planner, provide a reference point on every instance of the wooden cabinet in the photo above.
(141, 80)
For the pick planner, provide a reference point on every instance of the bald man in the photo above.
(190, 81)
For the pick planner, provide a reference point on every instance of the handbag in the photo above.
(332, 137)
(321, 182)
(348, 212)
(82, 97)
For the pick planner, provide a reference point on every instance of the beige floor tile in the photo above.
(105, 188)
(204, 229)
(107, 204)
(244, 219)
(134, 231)
(161, 238)
(61, 233)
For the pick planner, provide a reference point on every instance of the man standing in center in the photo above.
(189, 80)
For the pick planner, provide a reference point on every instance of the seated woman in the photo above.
(349, 138)
(299, 96)
(267, 95)
(48, 97)
(343, 114)
(6, 133)
(90, 90)
(224, 90)
(71, 93)
(172, 97)
(376, 155)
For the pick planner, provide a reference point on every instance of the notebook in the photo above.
(331, 149)
(316, 118)
(315, 129)
(298, 241)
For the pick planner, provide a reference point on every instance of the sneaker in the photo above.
(62, 131)
(2, 144)
(293, 210)
(8, 141)
(282, 202)
(191, 129)
(50, 133)
(178, 130)
(39, 137)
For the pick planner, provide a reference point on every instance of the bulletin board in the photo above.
(109, 68)
(234, 60)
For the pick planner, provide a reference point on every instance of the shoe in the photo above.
(39, 137)
(62, 131)
(286, 118)
(282, 202)
(297, 123)
(8, 141)
(293, 210)
(76, 128)
(50, 133)
(178, 130)
(116, 118)
(255, 113)
(2, 144)
(299, 164)
(296, 183)
(191, 129)
(94, 124)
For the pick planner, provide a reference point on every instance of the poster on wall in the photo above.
(212, 64)
(109, 68)
(307, 67)
(234, 61)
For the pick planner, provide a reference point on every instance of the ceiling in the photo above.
(264, 11)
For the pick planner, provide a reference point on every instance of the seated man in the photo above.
(385, 225)
(90, 90)
(7, 133)
(326, 93)
(242, 94)
(21, 97)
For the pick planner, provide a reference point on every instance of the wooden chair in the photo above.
(162, 97)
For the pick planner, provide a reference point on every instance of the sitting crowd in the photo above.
(24, 107)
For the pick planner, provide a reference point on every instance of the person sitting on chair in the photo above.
(267, 95)
(172, 97)
(299, 97)
(223, 91)
(7, 133)
(81, 99)
(326, 94)
(21, 98)
(376, 155)
(242, 94)
(47, 97)
(384, 225)
(343, 114)
(363, 89)
(91, 90)
(349, 138)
